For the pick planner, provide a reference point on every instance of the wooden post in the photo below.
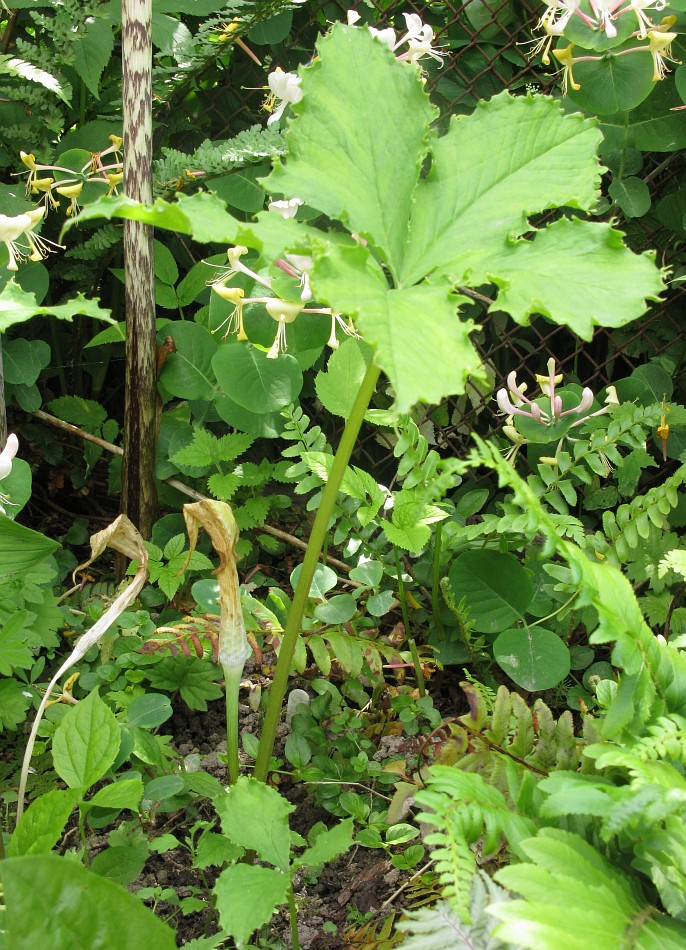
(138, 499)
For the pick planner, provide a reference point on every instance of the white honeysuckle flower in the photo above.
(284, 87)
(660, 46)
(6, 458)
(287, 209)
(385, 36)
(604, 11)
(353, 17)
(644, 22)
(7, 455)
(11, 229)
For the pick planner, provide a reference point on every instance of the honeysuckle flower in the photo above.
(72, 192)
(347, 328)
(298, 266)
(284, 312)
(639, 7)
(284, 87)
(385, 36)
(419, 38)
(114, 180)
(605, 15)
(660, 47)
(12, 228)
(6, 458)
(234, 321)
(287, 209)
(565, 57)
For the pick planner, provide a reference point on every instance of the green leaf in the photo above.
(534, 658)
(42, 824)
(86, 413)
(337, 610)
(13, 704)
(254, 381)
(420, 342)
(612, 83)
(14, 650)
(23, 360)
(92, 52)
(337, 388)
(376, 169)
(17, 306)
(214, 849)
(76, 902)
(550, 275)
(247, 896)
(496, 587)
(21, 548)
(323, 581)
(328, 845)
(165, 265)
(193, 677)
(164, 787)
(121, 864)
(187, 373)
(86, 742)
(510, 158)
(632, 195)
(150, 710)
(126, 793)
(255, 816)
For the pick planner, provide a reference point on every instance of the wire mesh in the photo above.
(485, 42)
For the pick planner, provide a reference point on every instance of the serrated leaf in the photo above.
(255, 816)
(14, 649)
(92, 52)
(550, 275)
(17, 306)
(42, 824)
(328, 845)
(13, 704)
(374, 178)
(510, 158)
(86, 742)
(247, 896)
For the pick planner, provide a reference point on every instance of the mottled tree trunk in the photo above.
(138, 477)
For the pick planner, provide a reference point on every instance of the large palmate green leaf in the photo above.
(365, 179)
(509, 159)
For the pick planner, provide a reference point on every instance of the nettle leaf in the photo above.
(256, 816)
(247, 896)
(86, 742)
(92, 52)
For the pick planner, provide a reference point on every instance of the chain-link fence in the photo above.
(486, 43)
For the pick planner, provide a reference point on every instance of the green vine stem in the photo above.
(318, 535)
(408, 629)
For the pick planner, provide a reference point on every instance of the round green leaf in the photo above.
(613, 84)
(534, 658)
(150, 710)
(632, 195)
(187, 373)
(254, 381)
(323, 581)
(264, 425)
(495, 586)
(577, 32)
(339, 609)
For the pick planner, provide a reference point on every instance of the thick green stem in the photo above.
(232, 681)
(319, 532)
(408, 629)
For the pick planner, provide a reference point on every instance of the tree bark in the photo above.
(138, 499)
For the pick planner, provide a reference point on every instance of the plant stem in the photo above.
(408, 629)
(320, 529)
(295, 942)
(232, 681)
(435, 580)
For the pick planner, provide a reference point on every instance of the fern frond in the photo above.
(13, 66)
